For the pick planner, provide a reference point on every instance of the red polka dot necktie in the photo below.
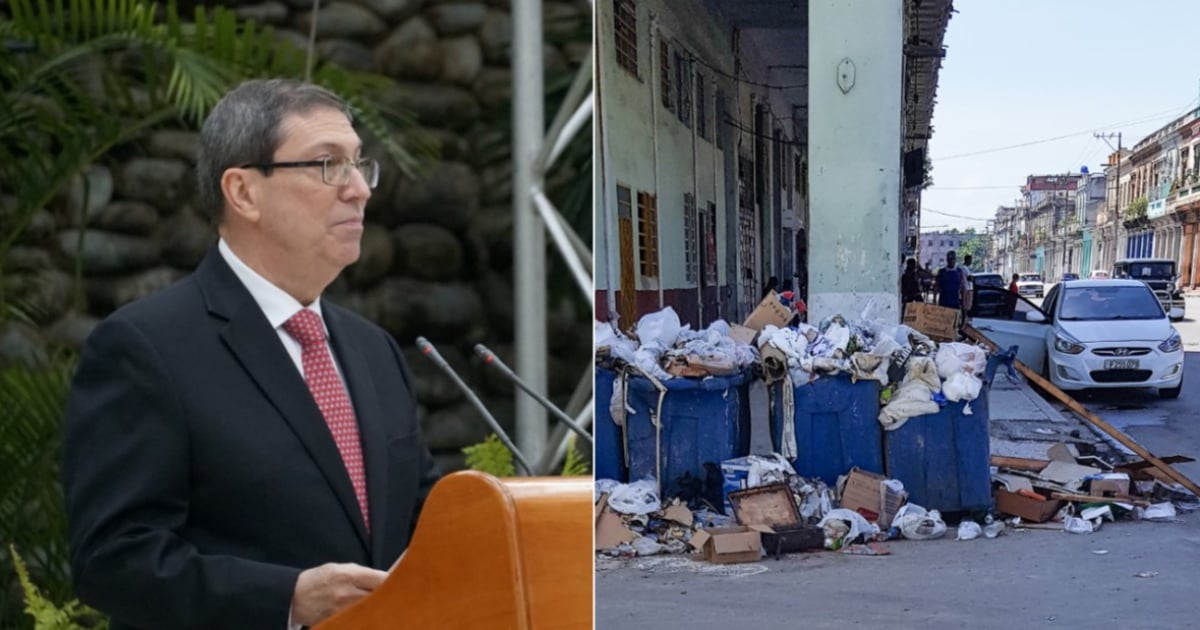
(331, 397)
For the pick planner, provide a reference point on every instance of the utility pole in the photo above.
(1117, 187)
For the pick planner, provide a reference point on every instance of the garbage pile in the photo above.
(918, 375)
(663, 348)
(774, 512)
(1077, 494)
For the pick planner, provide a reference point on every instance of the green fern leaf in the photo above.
(574, 465)
(490, 456)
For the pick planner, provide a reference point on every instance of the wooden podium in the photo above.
(490, 553)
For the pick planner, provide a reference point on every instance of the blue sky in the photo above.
(1019, 71)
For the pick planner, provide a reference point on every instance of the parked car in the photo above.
(1031, 284)
(1090, 334)
(1159, 275)
(988, 279)
(1099, 274)
(1069, 276)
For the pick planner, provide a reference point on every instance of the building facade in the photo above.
(708, 128)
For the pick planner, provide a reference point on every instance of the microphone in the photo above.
(490, 358)
(428, 350)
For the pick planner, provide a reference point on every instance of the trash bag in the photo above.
(968, 530)
(662, 327)
(639, 497)
(1076, 525)
(916, 523)
(961, 386)
(960, 357)
(843, 527)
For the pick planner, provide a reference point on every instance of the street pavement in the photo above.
(1127, 575)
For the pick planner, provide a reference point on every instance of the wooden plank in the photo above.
(1019, 463)
(1169, 459)
(1087, 498)
(1083, 412)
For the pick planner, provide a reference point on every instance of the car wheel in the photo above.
(1170, 392)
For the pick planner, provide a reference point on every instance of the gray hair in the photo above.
(243, 128)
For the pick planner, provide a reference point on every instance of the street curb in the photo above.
(1051, 412)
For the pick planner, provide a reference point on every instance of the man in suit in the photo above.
(238, 452)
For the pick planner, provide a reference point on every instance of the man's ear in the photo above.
(240, 187)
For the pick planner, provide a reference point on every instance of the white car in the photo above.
(1091, 334)
(1031, 284)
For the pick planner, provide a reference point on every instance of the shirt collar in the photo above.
(275, 303)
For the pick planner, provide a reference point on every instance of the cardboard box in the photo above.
(937, 322)
(866, 491)
(610, 527)
(769, 311)
(727, 545)
(742, 334)
(1027, 508)
(1109, 485)
(772, 505)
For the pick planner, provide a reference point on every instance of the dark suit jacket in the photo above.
(201, 478)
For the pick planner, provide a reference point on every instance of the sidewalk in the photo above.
(1023, 424)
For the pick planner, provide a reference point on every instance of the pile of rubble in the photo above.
(771, 511)
(1066, 491)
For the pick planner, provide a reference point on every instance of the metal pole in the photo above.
(529, 243)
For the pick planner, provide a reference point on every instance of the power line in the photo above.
(1171, 113)
(936, 187)
(953, 216)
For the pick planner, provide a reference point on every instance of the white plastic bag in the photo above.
(960, 357)
(961, 386)
(857, 526)
(917, 524)
(1076, 525)
(639, 497)
(1160, 512)
(968, 530)
(662, 327)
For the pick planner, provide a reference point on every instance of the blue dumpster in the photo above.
(943, 458)
(608, 460)
(704, 422)
(837, 426)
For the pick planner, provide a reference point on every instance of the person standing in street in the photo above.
(910, 284)
(949, 283)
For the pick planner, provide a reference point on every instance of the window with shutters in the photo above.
(625, 34)
(691, 240)
(719, 121)
(648, 235)
(701, 111)
(709, 243)
(664, 73)
(683, 89)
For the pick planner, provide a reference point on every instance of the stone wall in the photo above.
(437, 250)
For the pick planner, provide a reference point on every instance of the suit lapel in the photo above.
(249, 336)
(370, 423)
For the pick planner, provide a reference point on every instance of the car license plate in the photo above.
(1121, 364)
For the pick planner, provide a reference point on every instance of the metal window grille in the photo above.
(691, 240)
(664, 71)
(625, 34)
(648, 235)
(701, 111)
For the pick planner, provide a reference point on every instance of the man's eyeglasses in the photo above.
(334, 171)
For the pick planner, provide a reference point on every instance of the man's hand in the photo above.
(325, 590)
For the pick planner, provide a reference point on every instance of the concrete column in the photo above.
(855, 127)
(1185, 266)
